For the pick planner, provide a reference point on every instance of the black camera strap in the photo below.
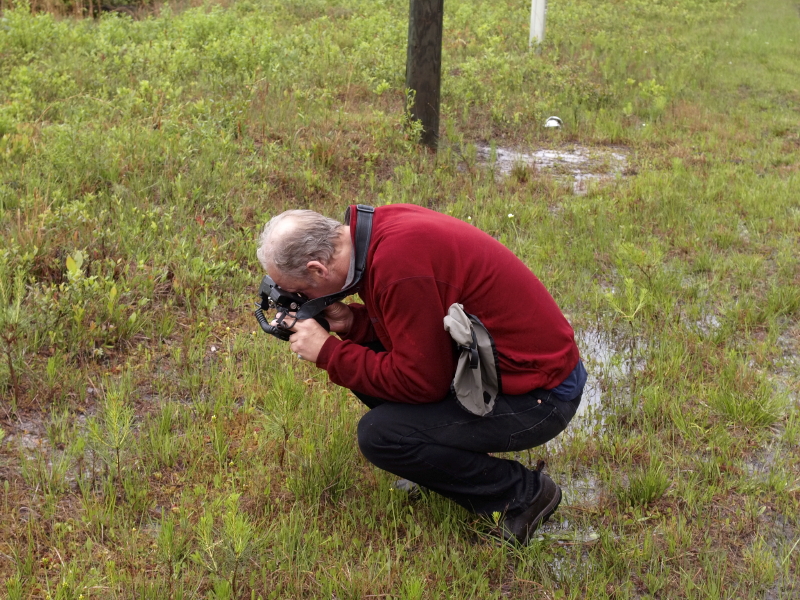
(312, 308)
(363, 235)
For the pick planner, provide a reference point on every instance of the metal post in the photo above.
(424, 65)
(538, 10)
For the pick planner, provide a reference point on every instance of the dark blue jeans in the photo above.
(444, 448)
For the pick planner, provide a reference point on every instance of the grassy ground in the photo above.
(156, 446)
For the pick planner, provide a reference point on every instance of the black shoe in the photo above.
(519, 527)
(413, 490)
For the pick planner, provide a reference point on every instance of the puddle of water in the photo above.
(760, 466)
(597, 355)
(582, 165)
(603, 364)
(581, 490)
(566, 532)
(708, 324)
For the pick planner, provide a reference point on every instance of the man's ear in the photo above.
(316, 269)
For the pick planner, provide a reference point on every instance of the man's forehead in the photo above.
(273, 271)
(280, 277)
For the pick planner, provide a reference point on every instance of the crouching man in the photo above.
(457, 349)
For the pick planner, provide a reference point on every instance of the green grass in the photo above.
(154, 445)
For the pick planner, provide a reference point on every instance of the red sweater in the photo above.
(419, 263)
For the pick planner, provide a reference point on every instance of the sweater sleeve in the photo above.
(419, 366)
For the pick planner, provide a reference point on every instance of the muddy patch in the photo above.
(788, 366)
(581, 166)
(29, 436)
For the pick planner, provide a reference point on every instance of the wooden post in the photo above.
(424, 65)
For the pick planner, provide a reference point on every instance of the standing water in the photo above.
(580, 165)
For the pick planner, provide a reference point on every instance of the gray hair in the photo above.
(306, 236)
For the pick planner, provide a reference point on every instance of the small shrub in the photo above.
(745, 397)
(645, 485)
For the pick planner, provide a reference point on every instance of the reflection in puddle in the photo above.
(581, 490)
(603, 364)
(582, 165)
(564, 531)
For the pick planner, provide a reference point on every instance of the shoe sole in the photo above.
(414, 491)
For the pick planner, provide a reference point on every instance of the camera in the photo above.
(286, 305)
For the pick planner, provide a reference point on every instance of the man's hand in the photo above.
(308, 339)
(339, 317)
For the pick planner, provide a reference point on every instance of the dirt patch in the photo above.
(28, 435)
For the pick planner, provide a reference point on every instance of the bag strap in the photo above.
(474, 357)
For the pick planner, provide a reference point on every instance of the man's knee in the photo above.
(380, 437)
(370, 439)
